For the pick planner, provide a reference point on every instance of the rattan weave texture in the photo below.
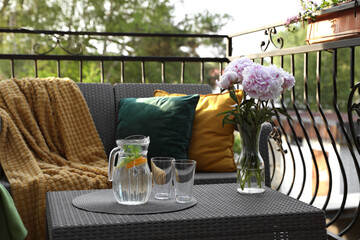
(100, 100)
(221, 213)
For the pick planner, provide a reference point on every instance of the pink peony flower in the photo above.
(238, 66)
(263, 83)
(274, 71)
(227, 80)
(288, 79)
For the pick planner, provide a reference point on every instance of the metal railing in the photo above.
(58, 36)
(318, 162)
(319, 159)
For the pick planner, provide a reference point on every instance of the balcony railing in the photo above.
(318, 162)
(51, 41)
(319, 159)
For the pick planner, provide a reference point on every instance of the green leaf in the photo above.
(125, 161)
(132, 152)
(266, 118)
(283, 112)
(233, 96)
(226, 112)
(226, 120)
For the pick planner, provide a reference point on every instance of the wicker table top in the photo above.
(221, 213)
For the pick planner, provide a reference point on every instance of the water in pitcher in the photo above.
(132, 186)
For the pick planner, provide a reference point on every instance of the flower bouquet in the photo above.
(260, 84)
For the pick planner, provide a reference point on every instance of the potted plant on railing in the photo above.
(329, 20)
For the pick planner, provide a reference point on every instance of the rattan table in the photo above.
(221, 213)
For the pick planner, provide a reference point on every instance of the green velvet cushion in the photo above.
(167, 120)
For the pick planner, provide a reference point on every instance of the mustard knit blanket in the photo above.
(48, 142)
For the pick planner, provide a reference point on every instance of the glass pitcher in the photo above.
(129, 170)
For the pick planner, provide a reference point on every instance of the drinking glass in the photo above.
(162, 170)
(184, 171)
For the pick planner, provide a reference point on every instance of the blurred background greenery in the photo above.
(128, 16)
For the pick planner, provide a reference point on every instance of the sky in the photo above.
(247, 14)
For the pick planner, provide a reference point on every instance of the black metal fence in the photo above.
(45, 47)
(319, 159)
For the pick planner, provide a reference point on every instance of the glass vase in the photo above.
(250, 165)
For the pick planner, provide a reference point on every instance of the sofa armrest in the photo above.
(1, 170)
(264, 150)
(3, 180)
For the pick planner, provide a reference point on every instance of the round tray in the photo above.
(103, 201)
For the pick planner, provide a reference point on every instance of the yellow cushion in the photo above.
(211, 143)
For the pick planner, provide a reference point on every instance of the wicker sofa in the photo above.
(102, 100)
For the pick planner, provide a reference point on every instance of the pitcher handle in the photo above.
(112, 157)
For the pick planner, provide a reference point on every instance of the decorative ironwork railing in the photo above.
(321, 166)
(318, 161)
(76, 54)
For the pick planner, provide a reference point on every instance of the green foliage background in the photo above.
(128, 16)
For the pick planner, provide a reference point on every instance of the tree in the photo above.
(139, 16)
